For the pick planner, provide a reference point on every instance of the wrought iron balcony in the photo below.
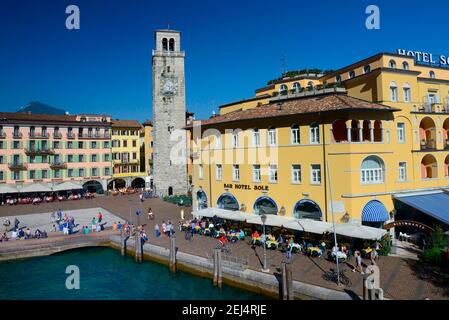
(17, 135)
(58, 165)
(428, 145)
(433, 108)
(39, 135)
(18, 166)
(39, 151)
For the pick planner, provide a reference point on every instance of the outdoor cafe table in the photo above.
(340, 255)
(316, 250)
(367, 251)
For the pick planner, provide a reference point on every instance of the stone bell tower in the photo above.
(169, 113)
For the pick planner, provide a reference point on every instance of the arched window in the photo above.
(446, 166)
(351, 74)
(314, 133)
(432, 74)
(378, 131)
(372, 170)
(405, 65)
(393, 91)
(407, 92)
(366, 130)
(355, 130)
(307, 209)
(427, 133)
(429, 167)
(265, 205)
(296, 87)
(339, 131)
(283, 89)
(202, 199)
(338, 79)
(310, 85)
(164, 44)
(228, 202)
(172, 44)
(392, 64)
(367, 69)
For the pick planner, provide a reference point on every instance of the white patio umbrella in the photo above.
(354, 230)
(309, 225)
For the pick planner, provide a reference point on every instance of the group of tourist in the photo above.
(20, 233)
(168, 229)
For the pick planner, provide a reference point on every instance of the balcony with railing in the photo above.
(33, 151)
(17, 165)
(17, 135)
(94, 135)
(39, 135)
(57, 135)
(71, 135)
(58, 165)
(428, 145)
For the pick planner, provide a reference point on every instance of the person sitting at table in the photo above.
(323, 246)
(280, 239)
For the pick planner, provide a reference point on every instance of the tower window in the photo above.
(164, 44)
(172, 44)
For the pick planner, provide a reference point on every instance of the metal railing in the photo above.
(433, 108)
(17, 166)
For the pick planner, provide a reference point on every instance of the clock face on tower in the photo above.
(168, 86)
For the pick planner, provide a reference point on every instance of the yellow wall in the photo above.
(129, 149)
(345, 158)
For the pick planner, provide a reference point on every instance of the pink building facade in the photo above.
(50, 149)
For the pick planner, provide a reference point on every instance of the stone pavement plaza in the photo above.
(42, 221)
(400, 278)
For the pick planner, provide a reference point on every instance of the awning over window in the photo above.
(375, 211)
(435, 205)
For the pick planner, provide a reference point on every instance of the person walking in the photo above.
(157, 231)
(358, 259)
(100, 217)
(150, 214)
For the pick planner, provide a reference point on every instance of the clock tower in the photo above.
(169, 114)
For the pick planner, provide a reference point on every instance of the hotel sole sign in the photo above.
(426, 58)
(245, 187)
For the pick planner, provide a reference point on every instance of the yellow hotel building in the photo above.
(377, 130)
(126, 155)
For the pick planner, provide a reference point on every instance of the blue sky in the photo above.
(232, 47)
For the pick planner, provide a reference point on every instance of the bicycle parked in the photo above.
(332, 276)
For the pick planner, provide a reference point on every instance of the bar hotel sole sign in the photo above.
(245, 187)
(426, 58)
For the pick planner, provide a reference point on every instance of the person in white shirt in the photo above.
(14, 235)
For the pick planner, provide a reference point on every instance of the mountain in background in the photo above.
(40, 108)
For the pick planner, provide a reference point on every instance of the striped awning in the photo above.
(375, 211)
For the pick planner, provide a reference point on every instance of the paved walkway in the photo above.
(400, 278)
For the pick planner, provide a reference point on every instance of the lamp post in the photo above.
(263, 217)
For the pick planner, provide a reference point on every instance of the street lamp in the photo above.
(263, 217)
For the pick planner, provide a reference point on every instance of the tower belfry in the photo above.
(169, 112)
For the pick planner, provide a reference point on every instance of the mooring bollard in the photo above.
(289, 280)
(219, 269)
(138, 253)
(283, 284)
(172, 255)
(123, 243)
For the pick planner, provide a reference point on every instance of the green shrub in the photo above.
(432, 256)
(176, 199)
(385, 243)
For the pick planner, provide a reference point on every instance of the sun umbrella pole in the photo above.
(333, 222)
